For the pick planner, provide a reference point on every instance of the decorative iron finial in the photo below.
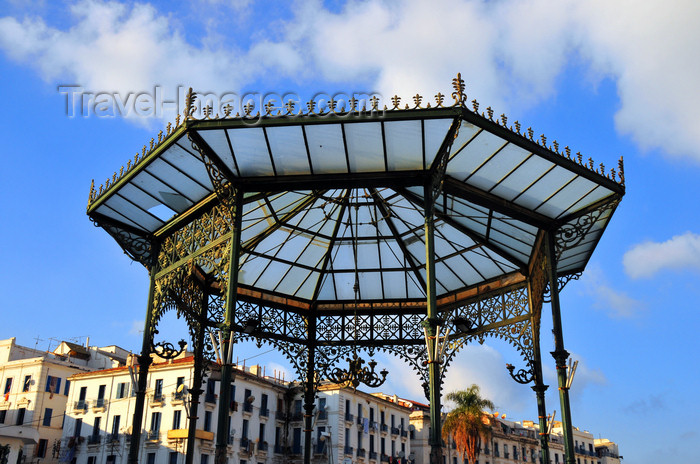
(190, 100)
(353, 104)
(458, 95)
(332, 105)
(475, 105)
(168, 128)
(247, 108)
(568, 151)
(121, 171)
(228, 109)
(128, 165)
(160, 136)
(544, 140)
(439, 100)
(177, 120)
(579, 157)
(489, 111)
(556, 146)
(395, 100)
(602, 169)
(417, 99)
(517, 126)
(621, 169)
(530, 133)
(91, 196)
(269, 106)
(375, 103)
(207, 111)
(151, 144)
(504, 120)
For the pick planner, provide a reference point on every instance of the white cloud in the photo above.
(648, 258)
(615, 303)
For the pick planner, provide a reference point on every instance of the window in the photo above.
(262, 433)
(3, 414)
(207, 421)
(381, 418)
(66, 389)
(263, 404)
(155, 422)
(210, 397)
(172, 457)
(278, 439)
(78, 427)
(158, 389)
(297, 406)
(296, 441)
(382, 445)
(176, 419)
(371, 414)
(101, 392)
(122, 390)
(47, 417)
(359, 439)
(27, 383)
(41, 448)
(115, 425)
(20, 416)
(53, 384)
(8, 386)
(83, 393)
(359, 409)
(96, 427)
(205, 459)
(151, 458)
(92, 460)
(244, 430)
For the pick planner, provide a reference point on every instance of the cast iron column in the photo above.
(435, 438)
(231, 298)
(309, 387)
(196, 389)
(539, 388)
(144, 362)
(560, 354)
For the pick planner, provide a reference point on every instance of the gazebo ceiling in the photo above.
(335, 197)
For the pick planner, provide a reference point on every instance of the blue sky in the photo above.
(606, 78)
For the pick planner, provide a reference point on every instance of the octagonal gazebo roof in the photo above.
(335, 196)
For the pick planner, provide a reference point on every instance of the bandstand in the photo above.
(408, 227)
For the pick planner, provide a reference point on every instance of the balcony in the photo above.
(404, 434)
(80, 406)
(361, 452)
(177, 397)
(279, 449)
(262, 447)
(349, 417)
(373, 425)
(99, 404)
(157, 399)
(153, 435)
(385, 458)
(94, 439)
(265, 413)
(280, 416)
(210, 398)
(113, 438)
(297, 416)
(246, 446)
(348, 450)
(373, 455)
(230, 440)
(359, 420)
(247, 407)
(323, 415)
(395, 430)
(384, 428)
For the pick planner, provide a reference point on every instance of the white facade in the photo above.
(35, 388)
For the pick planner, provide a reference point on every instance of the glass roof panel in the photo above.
(365, 146)
(576, 189)
(596, 194)
(370, 285)
(216, 139)
(447, 277)
(291, 282)
(367, 255)
(395, 285)
(250, 151)
(105, 210)
(138, 197)
(185, 186)
(308, 287)
(435, 133)
(327, 289)
(344, 283)
(326, 148)
(390, 254)
(540, 190)
(404, 145)
(127, 209)
(464, 163)
(521, 178)
(498, 167)
(272, 275)
(187, 162)
(467, 131)
(288, 150)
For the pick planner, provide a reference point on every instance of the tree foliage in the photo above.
(466, 424)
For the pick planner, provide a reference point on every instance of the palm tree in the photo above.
(466, 423)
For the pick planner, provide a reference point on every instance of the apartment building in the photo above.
(35, 388)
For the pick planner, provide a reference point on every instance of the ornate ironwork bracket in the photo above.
(439, 166)
(562, 281)
(167, 350)
(571, 233)
(356, 373)
(138, 247)
(219, 175)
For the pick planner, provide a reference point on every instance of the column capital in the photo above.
(560, 356)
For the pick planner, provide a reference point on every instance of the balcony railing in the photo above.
(247, 407)
(230, 440)
(395, 430)
(264, 412)
(349, 417)
(404, 434)
(280, 415)
(152, 435)
(263, 446)
(361, 452)
(348, 450)
(384, 428)
(246, 445)
(210, 398)
(359, 420)
(80, 405)
(99, 403)
(113, 438)
(158, 398)
(94, 439)
(178, 396)
(323, 415)
(373, 455)
(279, 449)
(385, 458)
(297, 416)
